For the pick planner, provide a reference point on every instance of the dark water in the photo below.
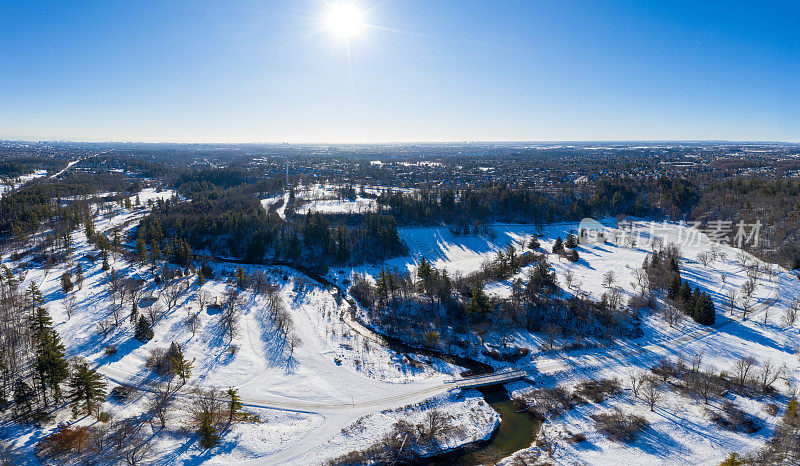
(515, 432)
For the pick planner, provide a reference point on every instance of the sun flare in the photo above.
(344, 20)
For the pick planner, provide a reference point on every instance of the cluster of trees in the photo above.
(33, 365)
(500, 202)
(29, 208)
(434, 309)
(662, 273)
(233, 222)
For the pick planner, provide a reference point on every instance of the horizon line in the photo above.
(401, 142)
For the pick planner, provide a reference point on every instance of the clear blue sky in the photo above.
(423, 71)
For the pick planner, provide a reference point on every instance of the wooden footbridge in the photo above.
(496, 378)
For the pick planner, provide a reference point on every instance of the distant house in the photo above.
(216, 306)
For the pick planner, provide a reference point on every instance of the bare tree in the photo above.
(704, 258)
(636, 379)
(608, 279)
(672, 315)
(742, 369)
(696, 362)
(790, 314)
(768, 375)
(161, 401)
(569, 278)
(641, 280)
(230, 314)
(433, 424)
(155, 312)
(731, 296)
(203, 299)
(193, 322)
(741, 258)
(171, 295)
(749, 287)
(70, 304)
(652, 395)
(105, 327)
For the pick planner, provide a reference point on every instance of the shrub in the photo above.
(160, 359)
(111, 350)
(596, 390)
(64, 441)
(121, 393)
(104, 416)
(734, 419)
(619, 426)
(545, 402)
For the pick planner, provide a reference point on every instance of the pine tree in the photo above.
(234, 404)
(66, 282)
(732, 460)
(209, 437)
(791, 409)
(141, 248)
(558, 246)
(479, 303)
(704, 311)
(180, 365)
(34, 297)
(23, 397)
(50, 363)
(143, 331)
(572, 241)
(87, 387)
(240, 277)
(534, 244)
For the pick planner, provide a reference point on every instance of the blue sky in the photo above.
(439, 70)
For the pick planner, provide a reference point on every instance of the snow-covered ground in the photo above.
(359, 205)
(680, 429)
(14, 183)
(337, 379)
(334, 377)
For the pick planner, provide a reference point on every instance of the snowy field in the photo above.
(303, 397)
(14, 183)
(335, 391)
(680, 430)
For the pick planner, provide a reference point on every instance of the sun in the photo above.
(344, 20)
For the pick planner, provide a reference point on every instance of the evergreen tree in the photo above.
(240, 277)
(143, 332)
(24, 397)
(704, 311)
(234, 404)
(479, 302)
(141, 248)
(66, 282)
(87, 387)
(50, 363)
(674, 287)
(534, 244)
(209, 437)
(180, 365)
(34, 297)
(572, 241)
(685, 294)
(558, 246)
(791, 409)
